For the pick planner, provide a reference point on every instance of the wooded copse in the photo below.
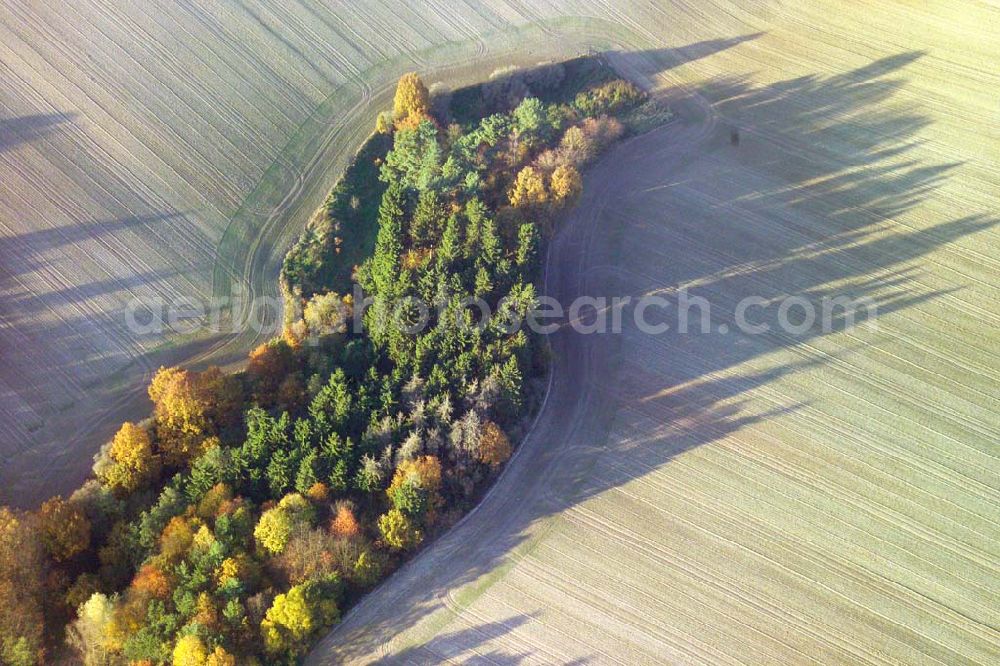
(249, 510)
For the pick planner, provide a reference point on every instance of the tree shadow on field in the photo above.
(802, 207)
(467, 644)
(25, 129)
(698, 50)
(75, 348)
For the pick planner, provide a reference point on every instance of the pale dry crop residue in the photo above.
(826, 497)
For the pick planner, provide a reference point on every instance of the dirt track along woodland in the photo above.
(826, 497)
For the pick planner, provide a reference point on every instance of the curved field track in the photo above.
(824, 496)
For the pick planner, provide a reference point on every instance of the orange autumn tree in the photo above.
(270, 367)
(494, 447)
(152, 581)
(344, 524)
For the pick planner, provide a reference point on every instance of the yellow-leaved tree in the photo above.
(190, 408)
(220, 657)
(129, 462)
(190, 651)
(399, 531)
(412, 99)
(294, 617)
(566, 185)
(181, 420)
(277, 525)
(529, 188)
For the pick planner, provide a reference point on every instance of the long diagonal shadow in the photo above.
(25, 129)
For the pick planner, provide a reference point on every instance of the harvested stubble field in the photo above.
(822, 497)
(717, 498)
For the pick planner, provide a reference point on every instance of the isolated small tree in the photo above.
(412, 98)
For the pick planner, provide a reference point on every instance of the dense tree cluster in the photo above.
(239, 520)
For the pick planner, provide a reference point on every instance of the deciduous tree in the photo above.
(129, 462)
(494, 447)
(177, 538)
(220, 657)
(190, 651)
(344, 524)
(21, 589)
(269, 365)
(64, 527)
(326, 314)
(566, 185)
(180, 408)
(412, 98)
(294, 617)
(87, 634)
(398, 530)
(529, 189)
(276, 526)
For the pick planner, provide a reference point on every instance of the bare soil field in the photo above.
(829, 496)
